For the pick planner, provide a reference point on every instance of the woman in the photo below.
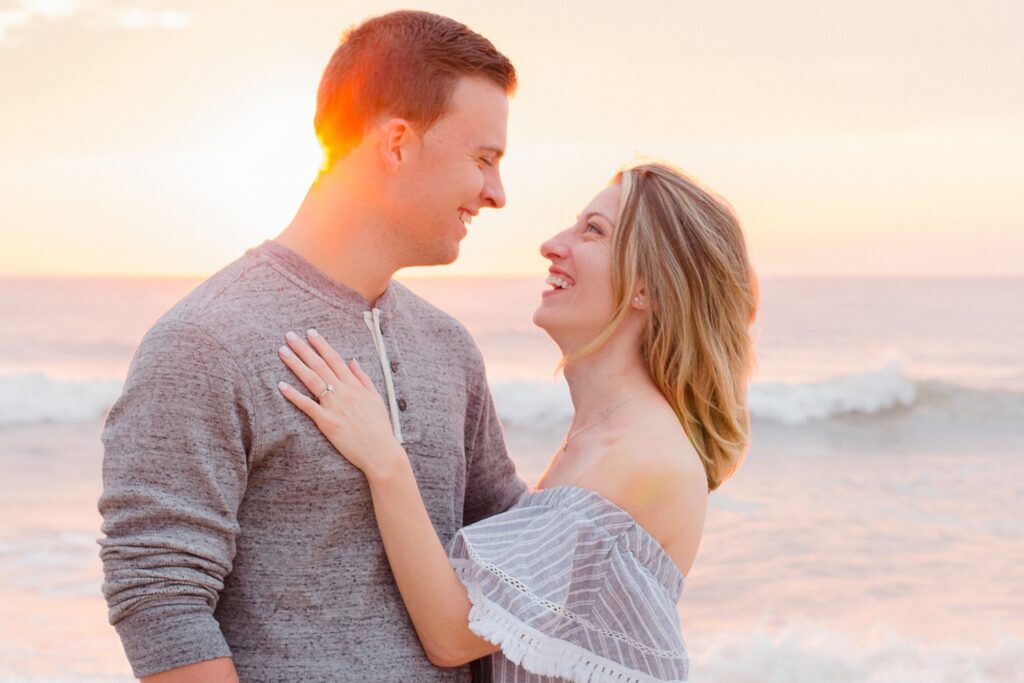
(651, 300)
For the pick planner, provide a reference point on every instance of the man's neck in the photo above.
(343, 240)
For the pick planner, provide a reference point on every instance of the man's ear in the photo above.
(397, 142)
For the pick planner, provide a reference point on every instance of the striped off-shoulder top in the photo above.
(571, 588)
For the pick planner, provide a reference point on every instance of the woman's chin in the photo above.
(555, 332)
(539, 318)
(542, 319)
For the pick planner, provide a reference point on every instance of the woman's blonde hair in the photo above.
(684, 247)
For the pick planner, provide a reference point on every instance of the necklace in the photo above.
(607, 414)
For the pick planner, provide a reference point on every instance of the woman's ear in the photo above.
(639, 301)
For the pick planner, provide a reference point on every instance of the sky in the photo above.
(852, 138)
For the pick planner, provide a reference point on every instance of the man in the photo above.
(239, 544)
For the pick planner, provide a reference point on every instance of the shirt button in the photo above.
(394, 366)
(402, 405)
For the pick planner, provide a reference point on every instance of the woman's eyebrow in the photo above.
(598, 213)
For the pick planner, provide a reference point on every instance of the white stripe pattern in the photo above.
(572, 588)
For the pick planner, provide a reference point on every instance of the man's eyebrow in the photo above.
(496, 151)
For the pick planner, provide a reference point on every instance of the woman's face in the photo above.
(579, 300)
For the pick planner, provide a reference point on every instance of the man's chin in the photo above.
(450, 257)
(437, 258)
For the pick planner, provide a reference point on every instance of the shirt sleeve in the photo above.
(175, 464)
(572, 593)
(492, 485)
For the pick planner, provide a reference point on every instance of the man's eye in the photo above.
(486, 161)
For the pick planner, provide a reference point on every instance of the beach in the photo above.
(875, 531)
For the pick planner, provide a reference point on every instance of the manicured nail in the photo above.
(292, 336)
(282, 386)
(285, 351)
(312, 332)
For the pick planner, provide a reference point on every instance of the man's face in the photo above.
(455, 173)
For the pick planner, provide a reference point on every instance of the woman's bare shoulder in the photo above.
(654, 473)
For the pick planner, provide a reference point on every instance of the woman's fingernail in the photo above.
(282, 386)
(285, 351)
(312, 332)
(292, 336)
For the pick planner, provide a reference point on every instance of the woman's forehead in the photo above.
(605, 203)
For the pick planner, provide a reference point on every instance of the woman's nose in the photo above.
(554, 247)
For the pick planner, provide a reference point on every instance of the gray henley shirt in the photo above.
(233, 527)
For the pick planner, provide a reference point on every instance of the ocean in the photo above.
(874, 533)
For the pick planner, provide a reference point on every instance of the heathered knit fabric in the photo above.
(233, 527)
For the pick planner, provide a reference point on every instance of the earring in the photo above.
(638, 301)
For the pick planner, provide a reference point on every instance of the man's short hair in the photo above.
(403, 64)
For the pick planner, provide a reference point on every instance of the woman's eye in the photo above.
(591, 227)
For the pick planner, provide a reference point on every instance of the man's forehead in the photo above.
(480, 110)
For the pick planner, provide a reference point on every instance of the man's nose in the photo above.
(493, 193)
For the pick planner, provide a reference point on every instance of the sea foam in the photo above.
(30, 398)
(812, 653)
(540, 405)
(868, 393)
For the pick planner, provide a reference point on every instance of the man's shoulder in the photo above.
(217, 313)
(226, 297)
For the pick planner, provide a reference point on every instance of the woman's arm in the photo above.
(353, 417)
(436, 599)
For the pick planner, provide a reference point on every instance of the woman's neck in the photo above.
(605, 380)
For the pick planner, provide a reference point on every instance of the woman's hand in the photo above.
(353, 417)
(349, 412)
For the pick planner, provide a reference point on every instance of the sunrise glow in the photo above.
(851, 142)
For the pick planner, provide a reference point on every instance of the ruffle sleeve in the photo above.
(568, 585)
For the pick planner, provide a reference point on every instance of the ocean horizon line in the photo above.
(419, 275)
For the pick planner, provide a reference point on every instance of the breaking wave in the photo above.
(539, 406)
(30, 398)
(867, 393)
